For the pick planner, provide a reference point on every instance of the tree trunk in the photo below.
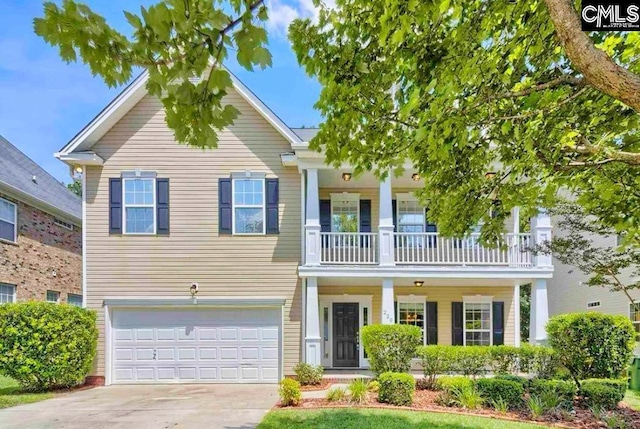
(598, 68)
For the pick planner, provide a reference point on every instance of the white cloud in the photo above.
(282, 13)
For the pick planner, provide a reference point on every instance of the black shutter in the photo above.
(394, 206)
(365, 215)
(396, 316)
(457, 320)
(431, 328)
(325, 215)
(498, 323)
(273, 191)
(224, 207)
(162, 206)
(115, 206)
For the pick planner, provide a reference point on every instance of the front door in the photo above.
(345, 334)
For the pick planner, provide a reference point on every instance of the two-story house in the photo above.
(235, 264)
(40, 233)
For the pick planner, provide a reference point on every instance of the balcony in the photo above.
(512, 250)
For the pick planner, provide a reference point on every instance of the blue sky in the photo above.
(44, 102)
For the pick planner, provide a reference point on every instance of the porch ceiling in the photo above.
(399, 282)
(333, 179)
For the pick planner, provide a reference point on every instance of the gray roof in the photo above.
(17, 171)
(306, 134)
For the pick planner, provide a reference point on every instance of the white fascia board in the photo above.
(188, 301)
(39, 204)
(520, 274)
(80, 158)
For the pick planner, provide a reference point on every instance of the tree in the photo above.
(75, 187)
(611, 266)
(175, 41)
(525, 311)
(467, 87)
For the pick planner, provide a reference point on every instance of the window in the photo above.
(593, 304)
(8, 223)
(345, 212)
(411, 311)
(477, 323)
(248, 206)
(634, 314)
(74, 299)
(53, 296)
(139, 206)
(410, 216)
(63, 224)
(7, 293)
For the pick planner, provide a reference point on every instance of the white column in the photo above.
(516, 318)
(385, 226)
(388, 307)
(84, 237)
(313, 354)
(541, 230)
(312, 225)
(516, 220)
(539, 312)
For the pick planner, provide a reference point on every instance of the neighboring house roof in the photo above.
(132, 94)
(305, 134)
(17, 173)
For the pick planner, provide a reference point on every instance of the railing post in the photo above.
(385, 227)
(541, 230)
(312, 223)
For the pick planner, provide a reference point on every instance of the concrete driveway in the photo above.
(225, 406)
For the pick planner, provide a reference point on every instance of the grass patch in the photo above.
(632, 398)
(379, 418)
(11, 394)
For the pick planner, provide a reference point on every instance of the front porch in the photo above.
(449, 311)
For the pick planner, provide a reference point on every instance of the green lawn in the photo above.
(10, 394)
(345, 418)
(633, 399)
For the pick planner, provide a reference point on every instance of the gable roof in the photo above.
(305, 134)
(135, 91)
(17, 173)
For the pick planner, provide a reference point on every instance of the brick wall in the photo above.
(46, 256)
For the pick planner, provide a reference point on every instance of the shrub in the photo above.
(603, 393)
(308, 374)
(44, 345)
(424, 384)
(336, 394)
(390, 347)
(467, 397)
(504, 359)
(495, 389)
(396, 388)
(358, 390)
(500, 405)
(592, 345)
(471, 360)
(436, 360)
(535, 406)
(564, 391)
(449, 383)
(373, 386)
(289, 391)
(524, 382)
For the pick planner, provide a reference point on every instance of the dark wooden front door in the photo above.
(345, 334)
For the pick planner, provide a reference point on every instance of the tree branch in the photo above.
(559, 81)
(586, 148)
(597, 67)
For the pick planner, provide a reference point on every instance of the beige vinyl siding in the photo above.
(152, 266)
(443, 295)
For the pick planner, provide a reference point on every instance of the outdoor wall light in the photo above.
(78, 169)
(346, 176)
(193, 289)
(415, 177)
(418, 283)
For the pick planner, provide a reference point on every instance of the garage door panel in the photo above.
(208, 345)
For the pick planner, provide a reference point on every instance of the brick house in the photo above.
(40, 233)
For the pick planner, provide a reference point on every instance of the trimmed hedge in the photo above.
(504, 359)
(496, 389)
(390, 348)
(564, 390)
(524, 382)
(289, 391)
(449, 383)
(44, 345)
(602, 392)
(396, 388)
(592, 345)
(307, 374)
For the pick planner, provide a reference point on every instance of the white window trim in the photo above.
(47, 296)
(248, 176)
(477, 299)
(633, 321)
(63, 224)
(409, 198)
(15, 288)
(125, 205)
(77, 295)
(350, 197)
(15, 221)
(414, 299)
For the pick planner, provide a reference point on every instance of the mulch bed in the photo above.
(425, 400)
(324, 384)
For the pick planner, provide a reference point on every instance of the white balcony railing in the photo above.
(352, 248)
(349, 248)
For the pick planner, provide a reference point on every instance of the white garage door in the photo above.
(223, 345)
